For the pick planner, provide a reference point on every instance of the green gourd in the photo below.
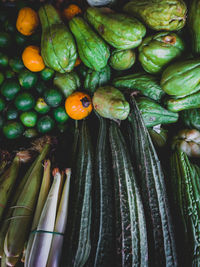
(58, 48)
(122, 59)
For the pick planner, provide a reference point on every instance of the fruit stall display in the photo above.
(100, 133)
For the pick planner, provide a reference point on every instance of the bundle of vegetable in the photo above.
(9, 177)
(130, 225)
(185, 186)
(23, 211)
(161, 240)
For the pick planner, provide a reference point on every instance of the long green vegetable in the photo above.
(131, 234)
(103, 203)
(160, 229)
(186, 189)
(77, 243)
(23, 211)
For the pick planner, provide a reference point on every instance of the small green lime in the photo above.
(24, 101)
(45, 124)
(40, 87)
(9, 74)
(29, 118)
(27, 78)
(47, 74)
(5, 40)
(12, 113)
(13, 129)
(4, 60)
(20, 38)
(53, 97)
(60, 115)
(41, 106)
(10, 88)
(16, 64)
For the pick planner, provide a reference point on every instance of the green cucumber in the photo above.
(131, 234)
(79, 237)
(161, 237)
(103, 201)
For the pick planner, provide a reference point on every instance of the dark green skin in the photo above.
(60, 115)
(191, 118)
(53, 97)
(24, 101)
(181, 78)
(187, 102)
(2, 104)
(159, 14)
(194, 25)
(158, 50)
(95, 79)
(13, 129)
(4, 60)
(16, 64)
(12, 114)
(122, 59)
(10, 88)
(27, 79)
(154, 114)
(93, 51)
(45, 124)
(67, 83)
(5, 40)
(119, 30)
(58, 47)
(145, 83)
(47, 74)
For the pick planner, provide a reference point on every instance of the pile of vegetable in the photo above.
(115, 85)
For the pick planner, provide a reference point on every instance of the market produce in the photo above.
(94, 79)
(191, 118)
(122, 59)
(110, 103)
(131, 233)
(153, 113)
(147, 84)
(193, 23)
(188, 141)
(185, 188)
(157, 51)
(58, 47)
(71, 11)
(160, 229)
(32, 59)
(181, 78)
(117, 29)
(159, 14)
(93, 51)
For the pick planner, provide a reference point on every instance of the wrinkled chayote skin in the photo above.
(110, 103)
(119, 30)
(194, 25)
(158, 135)
(158, 50)
(181, 78)
(95, 79)
(188, 141)
(145, 83)
(154, 114)
(67, 83)
(122, 59)
(58, 48)
(92, 49)
(169, 15)
(191, 118)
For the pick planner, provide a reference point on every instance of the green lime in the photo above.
(4, 60)
(5, 40)
(10, 88)
(2, 104)
(45, 124)
(30, 133)
(60, 115)
(29, 118)
(41, 106)
(53, 97)
(47, 74)
(20, 39)
(16, 64)
(12, 114)
(13, 129)
(24, 101)
(27, 78)
(1, 78)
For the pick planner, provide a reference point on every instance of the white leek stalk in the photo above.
(44, 190)
(61, 220)
(43, 236)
